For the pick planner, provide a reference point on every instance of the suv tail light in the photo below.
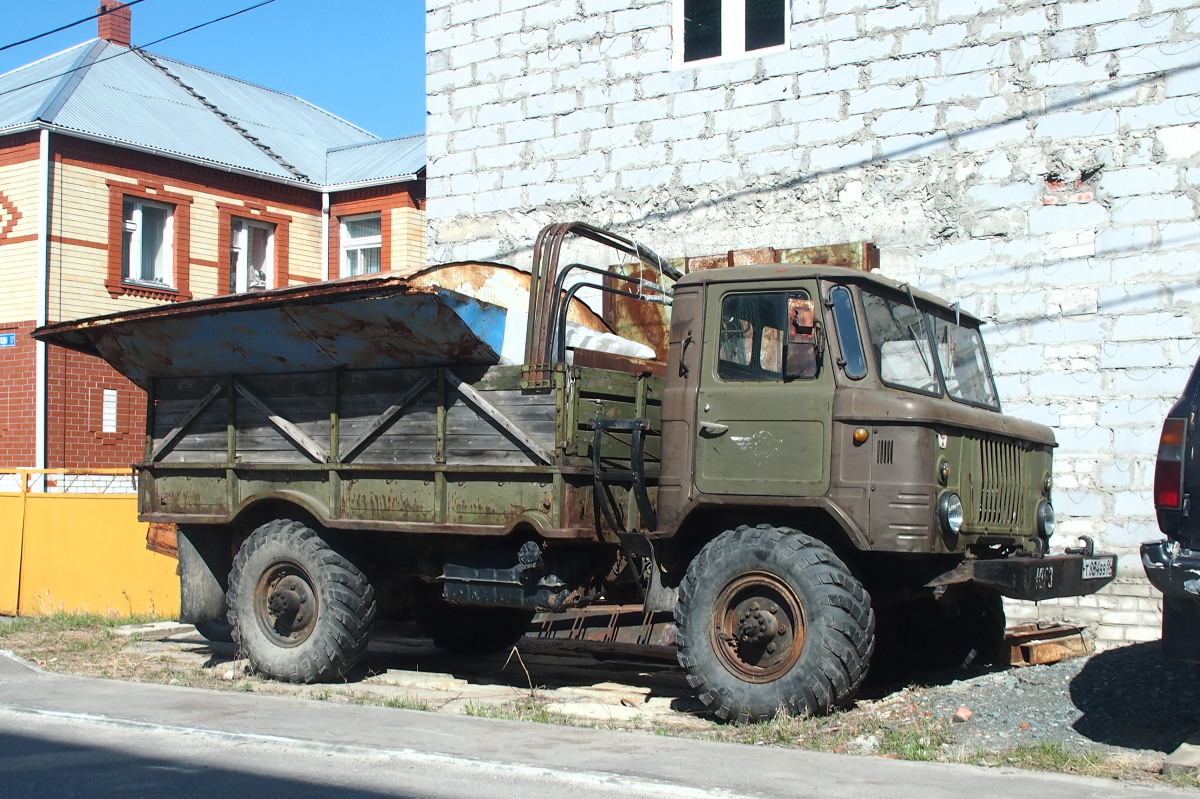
(1168, 471)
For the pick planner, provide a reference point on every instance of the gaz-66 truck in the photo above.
(777, 453)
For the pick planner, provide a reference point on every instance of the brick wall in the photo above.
(1037, 160)
(75, 437)
(17, 398)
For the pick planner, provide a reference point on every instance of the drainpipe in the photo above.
(324, 235)
(43, 299)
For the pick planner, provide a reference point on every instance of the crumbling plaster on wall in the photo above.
(935, 129)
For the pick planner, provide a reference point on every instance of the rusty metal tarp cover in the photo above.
(370, 322)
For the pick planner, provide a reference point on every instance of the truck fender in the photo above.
(203, 573)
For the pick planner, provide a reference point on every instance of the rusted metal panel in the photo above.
(860, 255)
(623, 625)
(359, 323)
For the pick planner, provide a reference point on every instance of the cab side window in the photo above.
(755, 338)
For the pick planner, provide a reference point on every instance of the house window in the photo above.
(729, 28)
(251, 253)
(108, 411)
(146, 239)
(362, 244)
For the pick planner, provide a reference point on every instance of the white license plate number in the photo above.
(1096, 568)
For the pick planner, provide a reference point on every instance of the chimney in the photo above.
(114, 25)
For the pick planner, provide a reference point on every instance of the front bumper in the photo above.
(1175, 571)
(1034, 578)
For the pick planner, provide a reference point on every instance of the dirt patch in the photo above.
(1115, 714)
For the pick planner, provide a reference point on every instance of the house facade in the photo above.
(128, 179)
(1038, 161)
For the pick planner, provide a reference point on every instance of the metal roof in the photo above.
(128, 95)
(391, 158)
(293, 329)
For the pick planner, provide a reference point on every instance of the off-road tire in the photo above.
(756, 587)
(469, 629)
(216, 630)
(300, 612)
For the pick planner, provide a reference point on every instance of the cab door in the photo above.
(766, 393)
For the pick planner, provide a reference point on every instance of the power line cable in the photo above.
(139, 47)
(70, 25)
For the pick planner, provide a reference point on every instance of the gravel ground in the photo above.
(1129, 700)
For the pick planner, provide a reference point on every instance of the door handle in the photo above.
(713, 427)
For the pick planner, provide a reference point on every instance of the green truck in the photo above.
(779, 454)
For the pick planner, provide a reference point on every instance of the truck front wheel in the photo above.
(300, 611)
(770, 620)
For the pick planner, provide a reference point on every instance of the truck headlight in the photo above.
(950, 512)
(1045, 519)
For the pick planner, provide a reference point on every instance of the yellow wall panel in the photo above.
(87, 553)
(10, 552)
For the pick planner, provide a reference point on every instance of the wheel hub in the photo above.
(758, 627)
(287, 604)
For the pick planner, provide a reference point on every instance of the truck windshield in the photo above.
(925, 353)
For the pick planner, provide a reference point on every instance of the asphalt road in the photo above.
(70, 736)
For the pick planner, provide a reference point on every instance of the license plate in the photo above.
(1095, 568)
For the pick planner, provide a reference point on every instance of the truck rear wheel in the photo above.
(770, 620)
(300, 611)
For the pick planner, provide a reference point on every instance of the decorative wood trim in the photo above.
(180, 248)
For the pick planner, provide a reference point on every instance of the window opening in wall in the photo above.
(108, 411)
(729, 28)
(146, 241)
(250, 255)
(362, 244)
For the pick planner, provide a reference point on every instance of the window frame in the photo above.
(180, 289)
(239, 254)
(132, 246)
(754, 370)
(733, 35)
(346, 244)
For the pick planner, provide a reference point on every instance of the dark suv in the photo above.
(1173, 563)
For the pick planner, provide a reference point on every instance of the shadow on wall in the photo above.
(1134, 697)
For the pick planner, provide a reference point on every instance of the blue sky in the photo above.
(363, 60)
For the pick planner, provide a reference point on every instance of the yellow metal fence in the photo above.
(70, 541)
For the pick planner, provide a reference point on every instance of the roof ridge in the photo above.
(273, 90)
(226, 118)
(372, 142)
(67, 82)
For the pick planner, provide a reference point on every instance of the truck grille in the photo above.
(1002, 473)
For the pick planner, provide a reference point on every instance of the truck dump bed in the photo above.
(371, 403)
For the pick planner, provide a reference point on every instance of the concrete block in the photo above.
(770, 90)
(979, 58)
(935, 40)
(527, 85)
(860, 50)
(550, 193)
(1149, 116)
(990, 137)
(1152, 208)
(726, 73)
(828, 28)
(1139, 180)
(1058, 72)
(903, 70)
(922, 119)
(1076, 124)
(809, 109)
(580, 166)
(1153, 59)
(1033, 22)
(894, 18)
(528, 130)
(548, 14)
(531, 175)
(833, 130)
(794, 61)
(836, 157)
(581, 120)
(1050, 218)
(880, 98)
(1179, 142)
(556, 104)
(978, 113)
(1134, 32)
(1091, 12)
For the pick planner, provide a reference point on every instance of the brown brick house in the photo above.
(129, 179)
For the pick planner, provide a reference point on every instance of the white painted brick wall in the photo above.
(926, 127)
